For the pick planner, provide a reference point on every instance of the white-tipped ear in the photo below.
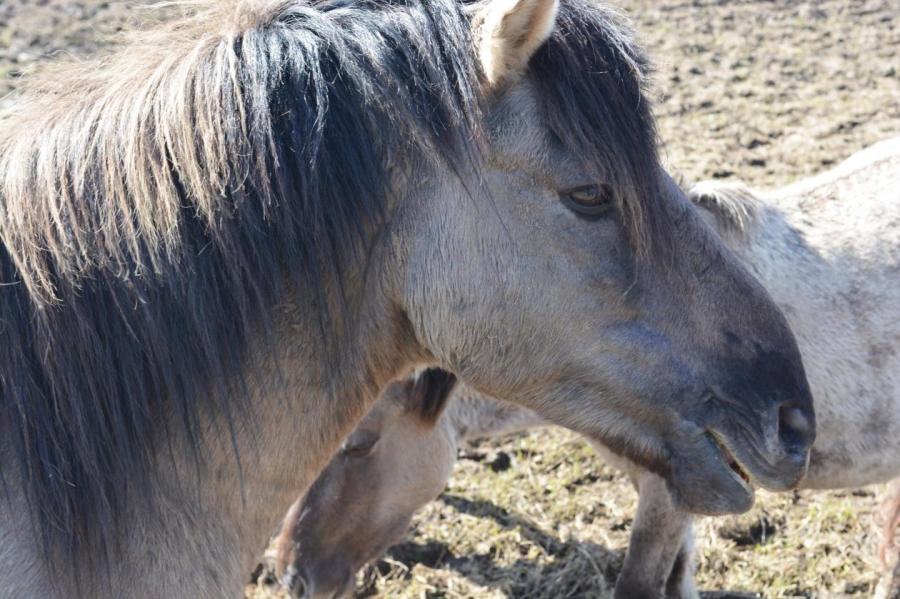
(511, 31)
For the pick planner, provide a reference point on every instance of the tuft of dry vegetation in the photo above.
(763, 91)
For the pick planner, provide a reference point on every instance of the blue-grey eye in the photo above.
(588, 200)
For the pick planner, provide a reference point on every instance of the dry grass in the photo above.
(765, 91)
(556, 523)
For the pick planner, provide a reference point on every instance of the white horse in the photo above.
(827, 249)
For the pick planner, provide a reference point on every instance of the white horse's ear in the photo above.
(510, 32)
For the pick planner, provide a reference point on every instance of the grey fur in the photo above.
(829, 251)
(224, 240)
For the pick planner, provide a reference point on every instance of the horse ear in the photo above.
(511, 31)
(430, 392)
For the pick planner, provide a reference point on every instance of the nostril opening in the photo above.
(295, 584)
(298, 589)
(794, 427)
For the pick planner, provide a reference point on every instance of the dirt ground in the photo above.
(764, 91)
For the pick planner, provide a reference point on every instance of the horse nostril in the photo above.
(795, 428)
(299, 589)
(296, 585)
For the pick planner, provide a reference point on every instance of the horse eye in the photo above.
(360, 444)
(588, 200)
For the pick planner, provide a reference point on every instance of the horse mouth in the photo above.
(740, 473)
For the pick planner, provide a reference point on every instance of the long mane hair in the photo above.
(154, 203)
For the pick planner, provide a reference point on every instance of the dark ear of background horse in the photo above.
(430, 392)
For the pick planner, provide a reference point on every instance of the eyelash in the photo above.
(589, 201)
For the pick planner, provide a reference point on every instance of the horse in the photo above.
(220, 241)
(398, 459)
(826, 248)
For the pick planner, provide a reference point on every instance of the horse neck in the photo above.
(207, 526)
(298, 425)
(473, 415)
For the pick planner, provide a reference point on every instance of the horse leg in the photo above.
(888, 552)
(659, 562)
(890, 518)
(680, 584)
(889, 585)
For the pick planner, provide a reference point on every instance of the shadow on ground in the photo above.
(524, 577)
